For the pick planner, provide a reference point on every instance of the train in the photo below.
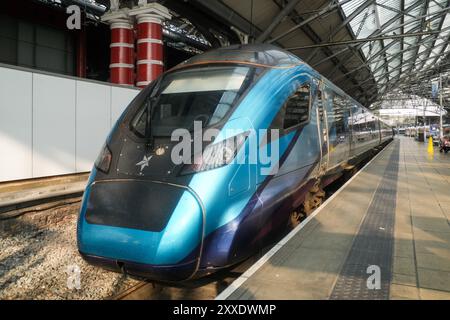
(150, 214)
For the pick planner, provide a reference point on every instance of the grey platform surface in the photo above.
(394, 214)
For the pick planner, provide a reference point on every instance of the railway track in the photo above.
(206, 288)
(22, 196)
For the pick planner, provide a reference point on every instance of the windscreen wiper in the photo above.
(150, 110)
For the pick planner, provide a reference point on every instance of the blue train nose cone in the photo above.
(140, 223)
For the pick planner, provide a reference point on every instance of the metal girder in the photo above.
(277, 20)
(427, 74)
(430, 49)
(327, 9)
(310, 33)
(387, 25)
(406, 63)
(446, 43)
(364, 40)
(424, 11)
(410, 78)
(370, 61)
(229, 15)
(204, 22)
(392, 81)
(382, 42)
(402, 44)
(383, 30)
(332, 56)
(357, 11)
(401, 11)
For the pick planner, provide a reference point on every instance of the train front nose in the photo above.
(142, 228)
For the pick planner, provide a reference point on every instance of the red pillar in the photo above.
(81, 53)
(122, 53)
(149, 49)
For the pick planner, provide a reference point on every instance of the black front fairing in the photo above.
(149, 158)
(137, 159)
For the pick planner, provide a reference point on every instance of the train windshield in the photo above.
(185, 96)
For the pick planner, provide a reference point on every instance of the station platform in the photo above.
(391, 219)
(16, 193)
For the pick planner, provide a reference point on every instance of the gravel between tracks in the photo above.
(34, 263)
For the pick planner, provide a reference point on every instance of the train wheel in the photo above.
(296, 218)
(313, 200)
(350, 172)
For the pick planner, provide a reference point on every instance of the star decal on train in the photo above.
(144, 162)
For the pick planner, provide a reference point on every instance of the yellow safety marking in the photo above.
(430, 146)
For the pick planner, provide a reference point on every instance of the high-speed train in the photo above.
(148, 214)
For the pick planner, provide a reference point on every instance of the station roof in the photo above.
(374, 50)
(369, 48)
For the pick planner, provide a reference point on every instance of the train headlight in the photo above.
(216, 155)
(103, 161)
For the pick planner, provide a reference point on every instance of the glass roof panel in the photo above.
(385, 18)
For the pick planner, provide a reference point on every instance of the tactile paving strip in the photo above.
(373, 245)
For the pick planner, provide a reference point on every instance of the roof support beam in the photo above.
(379, 32)
(446, 44)
(436, 15)
(430, 49)
(422, 23)
(358, 10)
(402, 44)
(391, 81)
(327, 9)
(277, 20)
(229, 15)
(371, 61)
(364, 40)
(407, 79)
(311, 34)
(401, 11)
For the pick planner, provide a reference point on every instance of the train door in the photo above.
(322, 127)
(354, 129)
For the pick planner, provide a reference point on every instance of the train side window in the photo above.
(341, 116)
(296, 108)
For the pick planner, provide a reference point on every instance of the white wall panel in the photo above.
(53, 125)
(93, 113)
(120, 98)
(15, 124)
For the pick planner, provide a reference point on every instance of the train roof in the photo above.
(264, 55)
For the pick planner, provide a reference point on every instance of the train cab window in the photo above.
(184, 97)
(296, 108)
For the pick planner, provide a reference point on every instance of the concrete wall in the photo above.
(52, 125)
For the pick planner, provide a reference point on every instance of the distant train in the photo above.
(146, 215)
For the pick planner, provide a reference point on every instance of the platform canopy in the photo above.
(367, 47)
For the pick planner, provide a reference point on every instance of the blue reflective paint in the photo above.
(256, 111)
(224, 192)
(181, 235)
(184, 230)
